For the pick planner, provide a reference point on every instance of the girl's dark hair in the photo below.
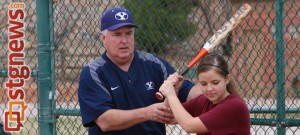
(217, 63)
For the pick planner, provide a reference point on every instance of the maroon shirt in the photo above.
(230, 116)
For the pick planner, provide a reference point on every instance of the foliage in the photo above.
(161, 23)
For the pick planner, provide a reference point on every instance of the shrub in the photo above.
(160, 22)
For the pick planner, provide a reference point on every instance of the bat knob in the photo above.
(159, 96)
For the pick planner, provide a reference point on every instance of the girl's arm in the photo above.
(184, 119)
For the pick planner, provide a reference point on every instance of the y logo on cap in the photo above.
(121, 16)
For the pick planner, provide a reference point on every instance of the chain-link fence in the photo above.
(60, 37)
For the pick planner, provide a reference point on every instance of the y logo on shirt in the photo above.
(149, 85)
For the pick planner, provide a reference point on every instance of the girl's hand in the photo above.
(177, 81)
(167, 89)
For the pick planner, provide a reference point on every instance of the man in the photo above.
(117, 91)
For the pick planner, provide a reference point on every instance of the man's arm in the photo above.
(194, 92)
(114, 119)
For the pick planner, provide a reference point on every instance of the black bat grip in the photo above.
(160, 96)
(182, 73)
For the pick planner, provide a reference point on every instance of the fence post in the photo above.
(280, 73)
(45, 68)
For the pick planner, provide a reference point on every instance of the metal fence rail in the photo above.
(63, 36)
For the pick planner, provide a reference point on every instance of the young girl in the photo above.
(218, 110)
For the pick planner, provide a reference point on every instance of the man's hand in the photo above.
(115, 119)
(159, 112)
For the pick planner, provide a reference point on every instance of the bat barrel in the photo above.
(216, 39)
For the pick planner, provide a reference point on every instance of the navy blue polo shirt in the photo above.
(105, 86)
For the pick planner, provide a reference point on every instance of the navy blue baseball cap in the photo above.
(115, 18)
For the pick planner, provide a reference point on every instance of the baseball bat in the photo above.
(216, 39)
